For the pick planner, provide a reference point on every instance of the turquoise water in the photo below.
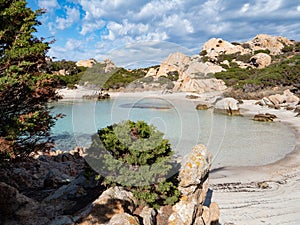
(233, 141)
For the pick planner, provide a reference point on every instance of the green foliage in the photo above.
(24, 90)
(228, 57)
(287, 48)
(203, 53)
(244, 58)
(266, 51)
(72, 72)
(173, 75)
(119, 77)
(69, 66)
(123, 77)
(165, 82)
(135, 155)
(235, 43)
(285, 73)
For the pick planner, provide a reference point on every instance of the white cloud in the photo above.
(261, 7)
(176, 21)
(245, 8)
(144, 53)
(90, 27)
(114, 24)
(72, 16)
(48, 4)
(157, 8)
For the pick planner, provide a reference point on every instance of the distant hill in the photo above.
(262, 62)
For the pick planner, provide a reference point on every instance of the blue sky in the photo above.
(140, 32)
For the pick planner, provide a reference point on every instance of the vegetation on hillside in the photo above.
(284, 73)
(135, 155)
(72, 73)
(96, 76)
(25, 89)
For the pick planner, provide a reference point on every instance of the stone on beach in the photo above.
(228, 106)
(193, 185)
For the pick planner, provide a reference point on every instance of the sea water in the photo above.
(233, 141)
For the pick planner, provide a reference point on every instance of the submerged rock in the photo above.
(264, 117)
(202, 107)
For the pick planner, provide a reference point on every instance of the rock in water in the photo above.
(202, 107)
(228, 106)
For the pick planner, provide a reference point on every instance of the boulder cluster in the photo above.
(195, 73)
(60, 188)
(286, 100)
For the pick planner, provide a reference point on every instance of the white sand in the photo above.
(75, 94)
(236, 189)
(238, 194)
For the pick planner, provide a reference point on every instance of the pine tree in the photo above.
(25, 89)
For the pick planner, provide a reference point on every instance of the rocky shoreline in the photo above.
(245, 195)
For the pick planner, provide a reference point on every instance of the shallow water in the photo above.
(233, 141)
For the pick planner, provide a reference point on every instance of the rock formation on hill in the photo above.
(193, 74)
(216, 46)
(86, 63)
(273, 43)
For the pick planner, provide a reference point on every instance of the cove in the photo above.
(233, 141)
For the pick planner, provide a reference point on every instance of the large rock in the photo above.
(86, 63)
(216, 46)
(200, 85)
(109, 66)
(148, 215)
(113, 201)
(211, 214)
(193, 185)
(123, 219)
(16, 208)
(195, 167)
(261, 60)
(267, 117)
(192, 73)
(287, 97)
(228, 106)
(273, 43)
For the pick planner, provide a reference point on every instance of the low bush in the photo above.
(135, 155)
(284, 73)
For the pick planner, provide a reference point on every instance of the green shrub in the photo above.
(284, 73)
(266, 51)
(135, 155)
(173, 75)
(287, 48)
(235, 43)
(115, 79)
(203, 53)
(244, 58)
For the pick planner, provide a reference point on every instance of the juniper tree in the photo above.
(25, 89)
(135, 155)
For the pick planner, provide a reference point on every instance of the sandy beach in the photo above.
(267, 194)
